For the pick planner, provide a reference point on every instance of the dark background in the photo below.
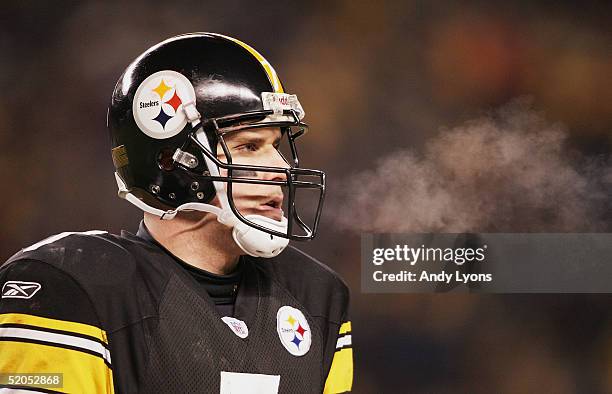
(373, 77)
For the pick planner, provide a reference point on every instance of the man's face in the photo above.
(256, 147)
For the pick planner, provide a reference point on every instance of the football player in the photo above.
(207, 296)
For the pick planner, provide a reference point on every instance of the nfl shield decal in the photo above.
(238, 327)
(293, 330)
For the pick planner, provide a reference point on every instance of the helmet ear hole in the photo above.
(165, 160)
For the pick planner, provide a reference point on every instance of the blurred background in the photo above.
(375, 78)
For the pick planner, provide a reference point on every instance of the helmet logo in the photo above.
(158, 104)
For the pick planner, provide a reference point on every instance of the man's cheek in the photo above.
(240, 192)
(244, 174)
(239, 202)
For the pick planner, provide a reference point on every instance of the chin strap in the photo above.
(258, 243)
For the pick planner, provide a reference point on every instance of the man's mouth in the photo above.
(272, 208)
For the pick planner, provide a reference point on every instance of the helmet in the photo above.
(171, 110)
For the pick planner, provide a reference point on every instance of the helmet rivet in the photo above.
(172, 196)
(195, 185)
(192, 163)
(155, 189)
(200, 195)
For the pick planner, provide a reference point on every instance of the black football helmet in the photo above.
(169, 113)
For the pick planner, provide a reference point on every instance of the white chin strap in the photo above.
(252, 241)
(258, 243)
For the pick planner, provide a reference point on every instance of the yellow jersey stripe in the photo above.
(345, 327)
(340, 378)
(272, 76)
(53, 324)
(82, 372)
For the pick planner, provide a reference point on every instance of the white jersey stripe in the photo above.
(343, 341)
(54, 338)
(19, 391)
(56, 237)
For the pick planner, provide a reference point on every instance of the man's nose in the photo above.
(276, 161)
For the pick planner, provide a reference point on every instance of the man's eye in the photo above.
(248, 147)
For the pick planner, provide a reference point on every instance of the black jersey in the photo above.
(221, 288)
(118, 314)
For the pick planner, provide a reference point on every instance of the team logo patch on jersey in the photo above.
(293, 330)
(158, 104)
(19, 289)
(238, 327)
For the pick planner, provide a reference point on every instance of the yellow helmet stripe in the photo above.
(276, 84)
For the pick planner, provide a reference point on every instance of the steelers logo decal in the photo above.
(293, 330)
(158, 104)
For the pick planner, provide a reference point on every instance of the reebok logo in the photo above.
(19, 289)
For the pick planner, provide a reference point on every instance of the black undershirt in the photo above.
(222, 289)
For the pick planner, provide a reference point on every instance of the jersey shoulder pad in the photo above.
(36, 288)
(65, 245)
(106, 267)
(90, 256)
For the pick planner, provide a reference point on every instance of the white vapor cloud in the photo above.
(508, 172)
